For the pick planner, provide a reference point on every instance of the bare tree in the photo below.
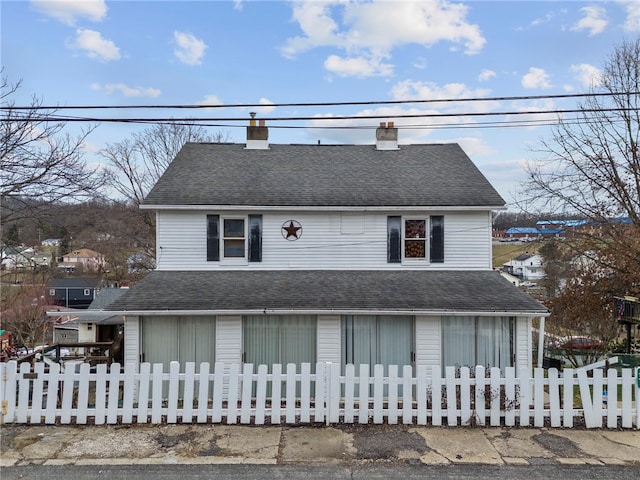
(40, 164)
(591, 169)
(136, 163)
(25, 317)
(592, 165)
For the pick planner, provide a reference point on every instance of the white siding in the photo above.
(428, 341)
(84, 334)
(327, 241)
(523, 347)
(229, 339)
(328, 338)
(132, 341)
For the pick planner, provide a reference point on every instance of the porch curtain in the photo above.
(185, 339)
(458, 341)
(377, 339)
(270, 339)
(494, 341)
(469, 341)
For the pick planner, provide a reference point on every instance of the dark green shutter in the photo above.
(213, 238)
(394, 244)
(255, 238)
(436, 244)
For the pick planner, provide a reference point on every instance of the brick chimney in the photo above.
(257, 135)
(386, 137)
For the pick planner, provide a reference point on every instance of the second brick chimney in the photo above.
(257, 135)
(386, 137)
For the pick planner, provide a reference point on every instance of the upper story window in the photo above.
(234, 238)
(414, 239)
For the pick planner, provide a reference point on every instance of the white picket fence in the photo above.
(239, 394)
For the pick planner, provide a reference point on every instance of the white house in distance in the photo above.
(527, 266)
(363, 254)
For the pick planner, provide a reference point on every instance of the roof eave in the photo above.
(337, 208)
(275, 311)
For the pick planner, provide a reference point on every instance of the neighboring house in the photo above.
(104, 327)
(527, 266)
(83, 259)
(72, 292)
(51, 242)
(24, 258)
(364, 254)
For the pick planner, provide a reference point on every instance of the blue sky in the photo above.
(268, 53)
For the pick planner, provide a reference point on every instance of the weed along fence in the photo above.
(234, 394)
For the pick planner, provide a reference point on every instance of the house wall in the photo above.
(428, 341)
(132, 341)
(329, 240)
(86, 333)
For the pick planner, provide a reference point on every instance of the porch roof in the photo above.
(326, 291)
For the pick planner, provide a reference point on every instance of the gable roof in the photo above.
(104, 298)
(74, 282)
(325, 291)
(323, 176)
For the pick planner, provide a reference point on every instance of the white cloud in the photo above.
(536, 78)
(68, 11)
(632, 23)
(267, 106)
(486, 75)
(212, 100)
(92, 43)
(587, 75)
(190, 50)
(126, 91)
(357, 67)
(366, 31)
(594, 20)
(412, 90)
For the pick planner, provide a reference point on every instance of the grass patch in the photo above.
(502, 253)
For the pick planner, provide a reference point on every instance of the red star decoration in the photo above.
(292, 230)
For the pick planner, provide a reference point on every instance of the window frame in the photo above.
(245, 239)
(251, 237)
(432, 237)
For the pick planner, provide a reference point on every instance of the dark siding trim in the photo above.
(255, 238)
(394, 244)
(213, 238)
(436, 248)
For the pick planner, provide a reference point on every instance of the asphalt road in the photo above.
(317, 472)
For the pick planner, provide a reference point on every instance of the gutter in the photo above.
(271, 311)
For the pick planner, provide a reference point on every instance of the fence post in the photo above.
(333, 393)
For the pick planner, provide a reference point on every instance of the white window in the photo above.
(415, 239)
(234, 238)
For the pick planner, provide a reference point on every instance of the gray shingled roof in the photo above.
(324, 290)
(323, 175)
(104, 297)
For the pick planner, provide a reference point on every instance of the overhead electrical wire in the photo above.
(218, 122)
(323, 104)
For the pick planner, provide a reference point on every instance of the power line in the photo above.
(46, 118)
(322, 104)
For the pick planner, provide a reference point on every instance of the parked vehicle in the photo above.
(527, 284)
(581, 344)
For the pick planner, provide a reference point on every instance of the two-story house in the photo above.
(364, 254)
